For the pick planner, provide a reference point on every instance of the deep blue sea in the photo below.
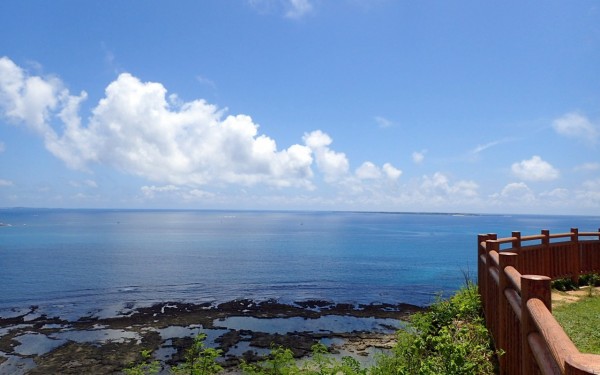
(73, 263)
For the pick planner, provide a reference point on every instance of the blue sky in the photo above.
(380, 105)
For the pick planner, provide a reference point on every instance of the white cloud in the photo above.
(135, 129)
(515, 193)
(383, 122)
(439, 185)
(556, 194)
(298, 8)
(391, 172)
(205, 81)
(535, 169)
(589, 193)
(574, 125)
(176, 193)
(151, 191)
(418, 156)
(28, 99)
(368, 171)
(333, 165)
(293, 9)
(197, 195)
(480, 148)
(4, 183)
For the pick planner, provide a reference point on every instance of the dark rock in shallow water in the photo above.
(300, 344)
(113, 354)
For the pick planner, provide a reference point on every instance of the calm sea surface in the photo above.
(73, 263)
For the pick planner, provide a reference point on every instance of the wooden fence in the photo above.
(514, 276)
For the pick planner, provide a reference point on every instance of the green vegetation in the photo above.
(450, 338)
(566, 284)
(581, 320)
(146, 367)
(199, 360)
(282, 362)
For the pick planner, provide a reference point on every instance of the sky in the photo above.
(361, 105)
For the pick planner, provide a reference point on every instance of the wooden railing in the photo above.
(514, 276)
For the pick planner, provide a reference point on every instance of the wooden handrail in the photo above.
(559, 344)
(514, 277)
(542, 354)
(518, 307)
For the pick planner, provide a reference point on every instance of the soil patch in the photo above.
(560, 298)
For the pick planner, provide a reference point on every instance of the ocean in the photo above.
(74, 263)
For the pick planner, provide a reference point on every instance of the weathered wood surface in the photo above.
(514, 283)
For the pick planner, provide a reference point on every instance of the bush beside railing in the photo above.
(514, 276)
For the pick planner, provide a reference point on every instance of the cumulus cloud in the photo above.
(368, 171)
(418, 156)
(28, 99)
(139, 130)
(439, 185)
(535, 169)
(333, 165)
(391, 172)
(574, 125)
(515, 192)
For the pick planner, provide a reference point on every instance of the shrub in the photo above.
(590, 279)
(199, 360)
(450, 338)
(563, 285)
(146, 367)
(281, 362)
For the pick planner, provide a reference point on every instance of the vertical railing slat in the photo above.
(529, 345)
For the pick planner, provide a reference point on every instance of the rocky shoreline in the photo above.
(242, 329)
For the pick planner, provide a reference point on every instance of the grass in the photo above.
(581, 320)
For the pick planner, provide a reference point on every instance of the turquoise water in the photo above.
(73, 263)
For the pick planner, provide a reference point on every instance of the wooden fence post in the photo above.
(505, 329)
(482, 267)
(516, 247)
(532, 286)
(491, 289)
(516, 244)
(547, 258)
(575, 255)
